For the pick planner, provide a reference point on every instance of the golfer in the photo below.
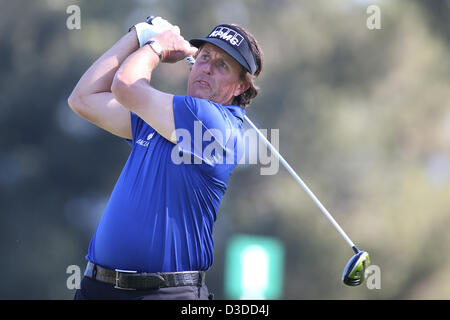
(154, 240)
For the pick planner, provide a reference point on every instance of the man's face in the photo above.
(215, 76)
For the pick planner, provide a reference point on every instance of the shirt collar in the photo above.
(237, 111)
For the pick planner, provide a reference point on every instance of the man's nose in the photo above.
(207, 67)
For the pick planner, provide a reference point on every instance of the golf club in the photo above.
(354, 272)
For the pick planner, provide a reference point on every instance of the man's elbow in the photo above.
(124, 92)
(74, 102)
(119, 89)
(78, 104)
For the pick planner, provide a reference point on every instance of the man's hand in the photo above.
(159, 24)
(149, 29)
(175, 47)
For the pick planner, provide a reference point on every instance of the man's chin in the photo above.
(204, 95)
(199, 94)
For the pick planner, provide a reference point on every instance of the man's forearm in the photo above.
(131, 83)
(134, 76)
(98, 78)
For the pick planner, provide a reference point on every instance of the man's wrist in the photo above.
(156, 47)
(144, 32)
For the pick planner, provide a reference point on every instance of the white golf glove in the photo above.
(147, 30)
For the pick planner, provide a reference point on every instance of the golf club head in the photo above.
(354, 272)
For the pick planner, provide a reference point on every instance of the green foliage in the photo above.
(363, 117)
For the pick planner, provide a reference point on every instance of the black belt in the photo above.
(132, 280)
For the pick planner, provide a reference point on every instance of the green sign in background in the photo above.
(254, 268)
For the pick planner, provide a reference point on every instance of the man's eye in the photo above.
(205, 57)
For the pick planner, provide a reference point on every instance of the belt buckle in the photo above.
(118, 272)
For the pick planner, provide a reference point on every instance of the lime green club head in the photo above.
(355, 270)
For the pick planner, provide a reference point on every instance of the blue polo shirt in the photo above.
(161, 213)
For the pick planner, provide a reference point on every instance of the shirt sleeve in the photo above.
(136, 125)
(202, 130)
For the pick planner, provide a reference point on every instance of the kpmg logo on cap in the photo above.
(228, 35)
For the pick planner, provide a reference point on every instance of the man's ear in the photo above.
(241, 88)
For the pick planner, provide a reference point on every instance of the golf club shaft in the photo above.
(190, 60)
(304, 186)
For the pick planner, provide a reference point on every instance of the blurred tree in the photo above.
(363, 116)
(437, 13)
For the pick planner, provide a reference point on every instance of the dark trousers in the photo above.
(95, 290)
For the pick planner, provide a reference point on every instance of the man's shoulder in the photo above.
(201, 109)
(194, 101)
